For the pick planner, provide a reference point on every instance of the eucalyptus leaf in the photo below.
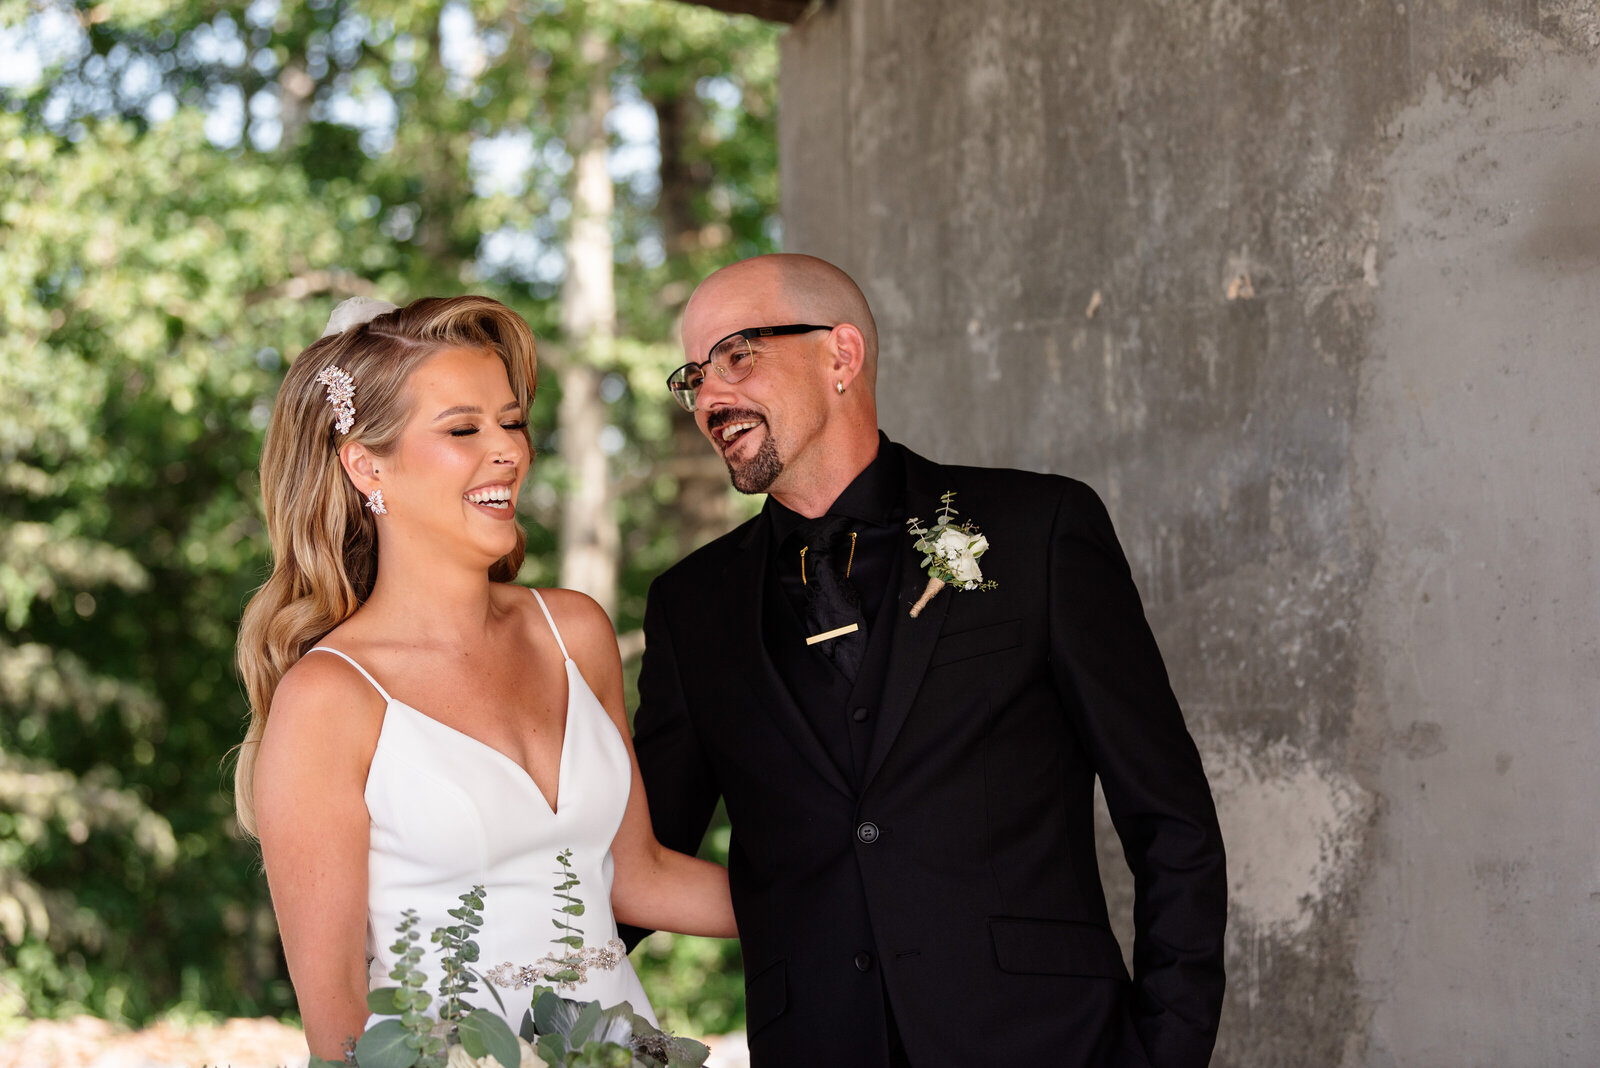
(552, 1049)
(385, 1001)
(604, 1055)
(583, 1028)
(554, 1014)
(318, 1062)
(686, 1053)
(575, 941)
(528, 1032)
(483, 1034)
(574, 909)
(384, 1046)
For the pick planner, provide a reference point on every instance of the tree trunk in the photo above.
(590, 539)
(702, 502)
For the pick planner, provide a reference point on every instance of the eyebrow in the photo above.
(471, 409)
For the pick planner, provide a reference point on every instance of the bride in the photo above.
(420, 725)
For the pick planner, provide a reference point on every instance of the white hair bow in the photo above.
(354, 312)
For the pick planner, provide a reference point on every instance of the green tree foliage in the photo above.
(184, 193)
(144, 286)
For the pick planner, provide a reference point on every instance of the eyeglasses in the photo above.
(732, 358)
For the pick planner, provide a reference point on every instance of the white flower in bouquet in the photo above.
(460, 1058)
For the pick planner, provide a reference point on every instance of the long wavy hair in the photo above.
(324, 542)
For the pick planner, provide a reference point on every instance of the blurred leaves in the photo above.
(185, 190)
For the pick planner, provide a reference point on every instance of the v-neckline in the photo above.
(555, 809)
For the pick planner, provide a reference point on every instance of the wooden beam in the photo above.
(785, 11)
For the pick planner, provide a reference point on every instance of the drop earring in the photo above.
(375, 502)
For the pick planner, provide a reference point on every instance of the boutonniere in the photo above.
(950, 553)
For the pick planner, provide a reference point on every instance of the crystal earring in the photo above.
(839, 386)
(375, 502)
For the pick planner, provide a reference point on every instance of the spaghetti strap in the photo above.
(347, 659)
(549, 620)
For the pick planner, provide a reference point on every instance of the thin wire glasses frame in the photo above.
(732, 359)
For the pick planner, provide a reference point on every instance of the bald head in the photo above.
(793, 288)
(800, 420)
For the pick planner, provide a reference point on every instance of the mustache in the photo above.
(722, 417)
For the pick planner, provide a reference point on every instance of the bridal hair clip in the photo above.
(341, 394)
(355, 312)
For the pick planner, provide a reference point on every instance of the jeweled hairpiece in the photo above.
(341, 394)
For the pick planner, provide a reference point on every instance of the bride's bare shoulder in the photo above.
(326, 694)
(584, 625)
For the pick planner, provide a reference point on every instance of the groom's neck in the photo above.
(817, 482)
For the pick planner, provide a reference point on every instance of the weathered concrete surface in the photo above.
(1309, 293)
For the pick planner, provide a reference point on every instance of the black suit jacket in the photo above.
(960, 877)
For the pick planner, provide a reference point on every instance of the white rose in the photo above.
(965, 569)
(952, 542)
(530, 1055)
(979, 545)
(459, 1058)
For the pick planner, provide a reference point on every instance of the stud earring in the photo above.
(375, 502)
(839, 386)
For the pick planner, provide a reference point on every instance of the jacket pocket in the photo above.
(1055, 947)
(766, 995)
(965, 644)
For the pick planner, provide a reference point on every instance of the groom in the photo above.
(913, 855)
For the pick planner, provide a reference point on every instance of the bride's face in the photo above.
(451, 482)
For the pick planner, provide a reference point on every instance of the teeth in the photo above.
(495, 496)
(734, 428)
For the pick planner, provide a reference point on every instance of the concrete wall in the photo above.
(1308, 291)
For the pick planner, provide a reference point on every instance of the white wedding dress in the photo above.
(450, 812)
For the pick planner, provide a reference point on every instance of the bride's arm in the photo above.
(312, 818)
(652, 886)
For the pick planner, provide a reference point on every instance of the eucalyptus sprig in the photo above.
(416, 1040)
(572, 938)
(573, 1034)
(459, 951)
(565, 1033)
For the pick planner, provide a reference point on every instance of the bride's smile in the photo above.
(465, 439)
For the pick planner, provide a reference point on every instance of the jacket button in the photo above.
(863, 962)
(860, 715)
(867, 832)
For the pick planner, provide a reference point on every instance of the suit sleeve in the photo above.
(679, 784)
(1108, 669)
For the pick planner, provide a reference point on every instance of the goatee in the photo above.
(760, 472)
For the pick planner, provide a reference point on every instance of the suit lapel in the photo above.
(746, 580)
(912, 645)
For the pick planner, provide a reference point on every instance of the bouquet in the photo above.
(556, 1032)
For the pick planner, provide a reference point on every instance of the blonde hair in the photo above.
(324, 542)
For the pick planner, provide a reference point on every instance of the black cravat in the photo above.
(831, 599)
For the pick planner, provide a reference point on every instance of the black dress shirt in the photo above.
(875, 500)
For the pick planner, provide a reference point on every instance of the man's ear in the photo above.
(361, 467)
(849, 351)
